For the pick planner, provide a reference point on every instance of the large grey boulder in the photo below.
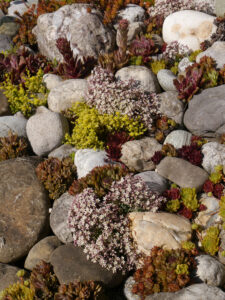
(7, 275)
(70, 263)
(85, 32)
(216, 51)
(24, 208)
(205, 113)
(182, 172)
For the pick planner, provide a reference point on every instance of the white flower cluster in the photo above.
(110, 96)
(101, 227)
(167, 7)
(174, 48)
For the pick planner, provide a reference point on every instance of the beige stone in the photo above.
(159, 229)
(137, 154)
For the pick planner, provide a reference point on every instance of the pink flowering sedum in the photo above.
(101, 227)
(110, 96)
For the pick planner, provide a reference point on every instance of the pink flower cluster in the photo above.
(110, 96)
(101, 227)
(167, 7)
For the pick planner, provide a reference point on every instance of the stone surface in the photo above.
(132, 13)
(59, 217)
(5, 43)
(166, 78)
(171, 106)
(178, 138)
(41, 251)
(52, 81)
(154, 181)
(85, 32)
(134, 29)
(16, 124)
(182, 172)
(159, 229)
(65, 94)
(4, 105)
(44, 141)
(222, 247)
(87, 159)
(7, 275)
(137, 154)
(146, 78)
(62, 152)
(183, 64)
(192, 292)
(210, 216)
(205, 113)
(210, 270)
(189, 28)
(214, 154)
(20, 7)
(24, 208)
(220, 8)
(216, 51)
(8, 26)
(76, 266)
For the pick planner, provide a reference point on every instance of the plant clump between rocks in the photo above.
(164, 271)
(101, 226)
(56, 175)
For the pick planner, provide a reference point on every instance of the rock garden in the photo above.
(112, 150)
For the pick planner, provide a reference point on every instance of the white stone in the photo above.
(189, 28)
(66, 94)
(210, 270)
(183, 64)
(132, 13)
(137, 154)
(85, 32)
(52, 80)
(166, 78)
(87, 159)
(171, 106)
(63, 151)
(20, 6)
(133, 30)
(154, 181)
(16, 124)
(214, 154)
(178, 138)
(210, 216)
(220, 8)
(216, 51)
(147, 79)
(158, 229)
(46, 130)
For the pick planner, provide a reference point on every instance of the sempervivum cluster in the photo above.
(167, 7)
(110, 96)
(101, 227)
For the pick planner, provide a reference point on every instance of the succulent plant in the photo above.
(210, 241)
(100, 179)
(163, 271)
(13, 146)
(56, 175)
(72, 68)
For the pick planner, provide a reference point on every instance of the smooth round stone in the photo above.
(178, 138)
(52, 80)
(16, 124)
(214, 154)
(154, 181)
(188, 27)
(220, 8)
(183, 64)
(132, 13)
(216, 51)
(166, 78)
(7, 276)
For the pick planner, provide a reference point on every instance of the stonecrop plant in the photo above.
(28, 96)
(101, 226)
(56, 175)
(91, 128)
(163, 271)
(111, 96)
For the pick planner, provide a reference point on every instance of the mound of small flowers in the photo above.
(110, 96)
(101, 226)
